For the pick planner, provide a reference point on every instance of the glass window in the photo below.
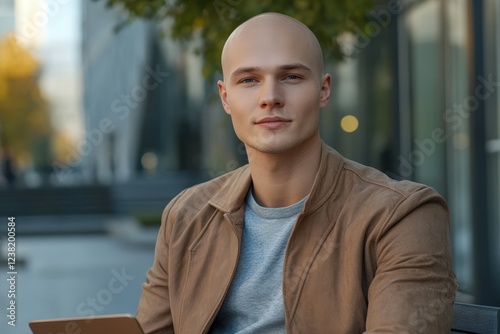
(426, 100)
(457, 134)
(492, 62)
(359, 121)
(436, 51)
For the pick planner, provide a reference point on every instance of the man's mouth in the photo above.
(273, 122)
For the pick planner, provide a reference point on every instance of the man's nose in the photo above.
(271, 95)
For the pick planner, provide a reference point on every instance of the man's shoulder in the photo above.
(368, 183)
(374, 198)
(375, 178)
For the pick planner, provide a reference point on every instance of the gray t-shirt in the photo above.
(254, 302)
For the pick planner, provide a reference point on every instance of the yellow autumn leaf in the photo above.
(14, 60)
(24, 113)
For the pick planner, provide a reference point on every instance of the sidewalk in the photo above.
(70, 275)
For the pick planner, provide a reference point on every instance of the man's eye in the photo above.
(292, 77)
(247, 80)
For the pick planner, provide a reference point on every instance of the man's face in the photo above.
(273, 89)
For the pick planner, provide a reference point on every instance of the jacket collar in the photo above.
(325, 182)
(232, 195)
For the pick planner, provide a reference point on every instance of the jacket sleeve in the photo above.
(154, 313)
(414, 286)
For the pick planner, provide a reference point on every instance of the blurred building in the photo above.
(114, 97)
(143, 97)
(418, 99)
(7, 16)
(424, 86)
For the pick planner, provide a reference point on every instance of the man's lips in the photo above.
(273, 122)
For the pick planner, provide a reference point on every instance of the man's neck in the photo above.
(281, 180)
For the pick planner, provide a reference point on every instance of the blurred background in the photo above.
(108, 109)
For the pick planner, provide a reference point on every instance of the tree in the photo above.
(24, 115)
(214, 20)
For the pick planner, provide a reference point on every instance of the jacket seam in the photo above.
(380, 184)
(168, 228)
(389, 218)
(184, 289)
(308, 270)
(393, 212)
(404, 197)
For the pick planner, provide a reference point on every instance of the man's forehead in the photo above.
(269, 36)
(268, 61)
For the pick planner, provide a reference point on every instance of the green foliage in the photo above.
(148, 219)
(214, 20)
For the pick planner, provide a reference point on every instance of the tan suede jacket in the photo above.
(367, 255)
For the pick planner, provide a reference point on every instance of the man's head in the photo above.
(274, 85)
(266, 26)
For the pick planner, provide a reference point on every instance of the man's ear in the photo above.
(223, 96)
(324, 96)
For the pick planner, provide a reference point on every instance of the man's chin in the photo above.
(272, 148)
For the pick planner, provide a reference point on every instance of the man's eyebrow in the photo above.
(286, 67)
(244, 70)
(294, 66)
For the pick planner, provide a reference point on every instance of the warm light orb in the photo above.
(149, 161)
(349, 123)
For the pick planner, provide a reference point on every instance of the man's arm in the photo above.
(414, 287)
(154, 313)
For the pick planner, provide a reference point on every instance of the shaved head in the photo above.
(269, 30)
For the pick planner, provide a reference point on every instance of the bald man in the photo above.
(300, 240)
